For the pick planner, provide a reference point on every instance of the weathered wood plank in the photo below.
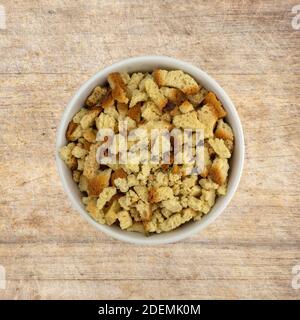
(49, 49)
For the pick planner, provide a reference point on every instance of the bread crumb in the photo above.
(177, 79)
(118, 87)
(219, 147)
(219, 170)
(105, 196)
(154, 93)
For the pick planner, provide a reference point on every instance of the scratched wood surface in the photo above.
(48, 49)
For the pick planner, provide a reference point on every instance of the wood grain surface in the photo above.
(49, 48)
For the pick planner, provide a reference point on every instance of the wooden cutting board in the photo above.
(49, 48)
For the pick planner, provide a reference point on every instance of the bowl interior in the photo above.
(143, 64)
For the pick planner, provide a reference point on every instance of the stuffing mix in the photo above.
(143, 197)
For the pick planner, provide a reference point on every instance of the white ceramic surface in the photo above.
(148, 63)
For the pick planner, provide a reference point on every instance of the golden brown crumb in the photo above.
(118, 87)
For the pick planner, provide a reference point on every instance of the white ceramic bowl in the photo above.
(148, 63)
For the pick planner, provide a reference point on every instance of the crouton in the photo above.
(150, 111)
(80, 164)
(186, 107)
(118, 87)
(107, 101)
(208, 117)
(209, 196)
(78, 116)
(219, 147)
(137, 96)
(154, 93)
(208, 184)
(89, 118)
(134, 82)
(136, 227)
(121, 184)
(219, 170)
(105, 121)
(98, 183)
(97, 94)
(111, 215)
(173, 205)
(105, 195)
(177, 79)
(128, 200)
(122, 109)
(91, 165)
(223, 131)
(135, 113)
(125, 77)
(158, 194)
(76, 175)
(187, 121)
(89, 135)
(142, 192)
(207, 163)
(79, 152)
(83, 183)
(173, 95)
(212, 100)
(74, 131)
(71, 128)
(65, 153)
(144, 209)
(143, 81)
(119, 173)
(197, 98)
(124, 219)
(94, 212)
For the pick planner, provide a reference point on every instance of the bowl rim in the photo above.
(169, 237)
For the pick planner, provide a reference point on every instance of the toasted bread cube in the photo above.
(219, 147)
(97, 94)
(118, 87)
(89, 118)
(105, 195)
(137, 96)
(90, 164)
(111, 215)
(125, 219)
(223, 131)
(89, 135)
(173, 95)
(95, 213)
(79, 152)
(212, 100)
(209, 118)
(219, 170)
(177, 79)
(197, 98)
(154, 93)
(150, 111)
(134, 82)
(187, 121)
(186, 107)
(65, 153)
(144, 209)
(98, 183)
